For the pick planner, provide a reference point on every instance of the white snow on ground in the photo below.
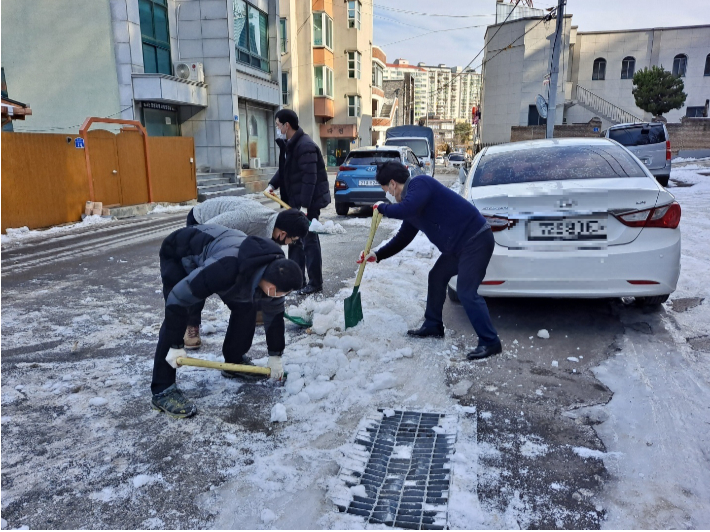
(161, 209)
(328, 228)
(24, 234)
(658, 425)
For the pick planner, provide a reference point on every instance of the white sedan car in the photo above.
(578, 218)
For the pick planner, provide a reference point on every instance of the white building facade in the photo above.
(595, 76)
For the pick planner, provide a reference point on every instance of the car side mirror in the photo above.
(462, 176)
(421, 164)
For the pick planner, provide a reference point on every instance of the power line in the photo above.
(407, 12)
(433, 31)
(50, 129)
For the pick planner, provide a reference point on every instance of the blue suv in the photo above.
(355, 183)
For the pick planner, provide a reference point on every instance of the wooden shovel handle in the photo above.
(276, 199)
(242, 368)
(376, 219)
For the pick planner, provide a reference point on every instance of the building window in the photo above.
(599, 68)
(354, 64)
(284, 36)
(322, 30)
(707, 66)
(680, 64)
(354, 8)
(354, 106)
(377, 73)
(324, 81)
(284, 88)
(155, 35)
(628, 65)
(695, 112)
(251, 34)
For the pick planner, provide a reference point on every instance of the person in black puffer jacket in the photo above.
(303, 182)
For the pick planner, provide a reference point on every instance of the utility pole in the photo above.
(552, 100)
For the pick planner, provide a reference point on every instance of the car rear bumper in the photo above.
(359, 196)
(653, 256)
(664, 171)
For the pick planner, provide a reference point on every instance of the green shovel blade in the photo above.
(353, 309)
(301, 322)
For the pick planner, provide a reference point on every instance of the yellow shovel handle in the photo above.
(276, 199)
(199, 363)
(376, 219)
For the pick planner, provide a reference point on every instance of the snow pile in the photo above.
(160, 209)
(24, 233)
(543, 333)
(328, 228)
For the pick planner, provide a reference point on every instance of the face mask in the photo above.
(280, 135)
(390, 197)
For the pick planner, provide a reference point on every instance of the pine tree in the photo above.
(657, 91)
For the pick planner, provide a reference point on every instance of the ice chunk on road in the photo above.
(555, 364)
(318, 390)
(98, 401)
(382, 382)
(543, 333)
(328, 228)
(141, 480)
(294, 386)
(278, 413)
(359, 491)
(267, 516)
(573, 359)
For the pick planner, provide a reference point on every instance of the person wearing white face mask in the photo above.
(461, 233)
(303, 183)
(201, 260)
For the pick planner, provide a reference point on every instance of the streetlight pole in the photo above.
(552, 100)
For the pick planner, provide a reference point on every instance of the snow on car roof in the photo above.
(547, 143)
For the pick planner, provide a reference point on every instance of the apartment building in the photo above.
(398, 70)
(596, 72)
(207, 69)
(327, 72)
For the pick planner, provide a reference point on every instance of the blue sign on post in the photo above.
(596, 130)
(78, 142)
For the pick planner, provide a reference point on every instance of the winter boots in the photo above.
(174, 403)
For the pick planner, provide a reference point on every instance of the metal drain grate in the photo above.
(403, 462)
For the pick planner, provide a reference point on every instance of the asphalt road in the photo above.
(80, 318)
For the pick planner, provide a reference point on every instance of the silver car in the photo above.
(649, 142)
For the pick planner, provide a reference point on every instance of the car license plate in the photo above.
(368, 183)
(567, 229)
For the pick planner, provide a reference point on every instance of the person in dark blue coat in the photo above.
(461, 233)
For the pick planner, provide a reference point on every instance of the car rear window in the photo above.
(420, 147)
(555, 163)
(640, 135)
(367, 158)
(455, 157)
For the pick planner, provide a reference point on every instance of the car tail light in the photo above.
(340, 185)
(498, 223)
(347, 168)
(668, 150)
(643, 282)
(666, 216)
(492, 282)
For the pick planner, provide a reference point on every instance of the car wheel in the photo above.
(453, 295)
(342, 209)
(663, 180)
(652, 301)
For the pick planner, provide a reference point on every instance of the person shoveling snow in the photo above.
(461, 233)
(198, 261)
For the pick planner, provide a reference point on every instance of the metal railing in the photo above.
(612, 112)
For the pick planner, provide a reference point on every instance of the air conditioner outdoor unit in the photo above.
(190, 71)
(255, 162)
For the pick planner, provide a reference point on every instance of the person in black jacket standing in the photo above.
(201, 260)
(303, 182)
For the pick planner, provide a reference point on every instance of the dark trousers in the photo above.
(237, 340)
(470, 264)
(307, 254)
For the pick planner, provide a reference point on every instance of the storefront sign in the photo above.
(160, 106)
(338, 131)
